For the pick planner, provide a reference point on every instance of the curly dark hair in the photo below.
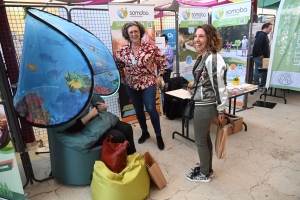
(215, 42)
(129, 24)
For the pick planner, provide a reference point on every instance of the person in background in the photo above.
(168, 52)
(228, 46)
(244, 46)
(139, 59)
(100, 124)
(210, 98)
(261, 49)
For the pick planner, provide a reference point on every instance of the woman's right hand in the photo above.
(3, 122)
(190, 84)
(93, 111)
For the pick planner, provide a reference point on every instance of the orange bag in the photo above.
(114, 155)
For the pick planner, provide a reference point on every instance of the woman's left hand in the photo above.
(101, 106)
(221, 117)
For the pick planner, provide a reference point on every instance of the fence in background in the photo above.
(93, 19)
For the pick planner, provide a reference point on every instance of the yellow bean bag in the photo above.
(132, 183)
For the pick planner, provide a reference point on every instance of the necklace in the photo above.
(135, 48)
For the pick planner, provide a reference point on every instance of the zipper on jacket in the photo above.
(201, 94)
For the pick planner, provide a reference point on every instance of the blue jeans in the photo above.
(145, 97)
(258, 65)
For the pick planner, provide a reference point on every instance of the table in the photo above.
(245, 100)
(181, 95)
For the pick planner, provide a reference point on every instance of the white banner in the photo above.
(119, 15)
(189, 19)
(233, 14)
(125, 13)
(193, 15)
(232, 23)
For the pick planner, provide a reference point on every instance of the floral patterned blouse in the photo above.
(140, 70)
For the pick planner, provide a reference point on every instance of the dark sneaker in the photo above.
(196, 170)
(160, 143)
(199, 178)
(144, 137)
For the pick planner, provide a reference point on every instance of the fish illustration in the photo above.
(32, 67)
(47, 58)
(50, 41)
(54, 108)
(92, 48)
(114, 82)
(99, 62)
(109, 73)
(54, 73)
(31, 46)
(76, 81)
(80, 36)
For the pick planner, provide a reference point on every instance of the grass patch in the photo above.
(229, 60)
(185, 53)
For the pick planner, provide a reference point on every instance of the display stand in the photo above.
(271, 94)
(181, 95)
(264, 103)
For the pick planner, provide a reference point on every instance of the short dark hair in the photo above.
(166, 37)
(130, 24)
(266, 25)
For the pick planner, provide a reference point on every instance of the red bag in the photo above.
(114, 155)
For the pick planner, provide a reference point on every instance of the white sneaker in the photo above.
(196, 170)
(199, 178)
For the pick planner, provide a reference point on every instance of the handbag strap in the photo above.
(214, 72)
(199, 72)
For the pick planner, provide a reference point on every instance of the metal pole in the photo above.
(177, 44)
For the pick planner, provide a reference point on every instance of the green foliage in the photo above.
(232, 33)
(187, 52)
(237, 43)
(229, 60)
(5, 191)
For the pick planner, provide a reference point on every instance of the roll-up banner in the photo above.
(284, 65)
(119, 15)
(10, 180)
(233, 24)
(189, 19)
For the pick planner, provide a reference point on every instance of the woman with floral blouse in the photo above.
(139, 59)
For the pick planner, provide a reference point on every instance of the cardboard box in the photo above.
(236, 120)
(156, 175)
(266, 62)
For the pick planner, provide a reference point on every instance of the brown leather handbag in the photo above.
(114, 155)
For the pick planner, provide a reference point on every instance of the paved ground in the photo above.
(262, 163)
